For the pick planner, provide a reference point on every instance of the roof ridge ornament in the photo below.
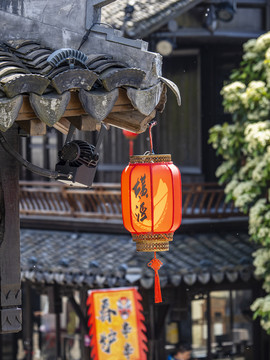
(67, 55)
(93, 24)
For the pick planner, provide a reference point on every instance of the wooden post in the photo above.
(231, 322)
(85, 350)
(209, 325)
(152, 343)
(58, 336)
(28, 322)
(55, 307)
(257, 291)
(10, 275)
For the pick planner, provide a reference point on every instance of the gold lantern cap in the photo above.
(150, 158)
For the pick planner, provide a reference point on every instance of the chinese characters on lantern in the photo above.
(115, 325)
(141, 191)
(140, 187)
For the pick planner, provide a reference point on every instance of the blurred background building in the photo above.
(74, 240)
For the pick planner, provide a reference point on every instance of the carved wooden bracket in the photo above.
(10, 320)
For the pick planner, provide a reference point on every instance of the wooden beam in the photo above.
(85, 123)
(132, 120)
(33, 127)
(26, 111)
(200, 34)
(74, 107)
(62, 125)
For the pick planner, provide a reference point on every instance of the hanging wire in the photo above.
(34, 168)
(151, 124)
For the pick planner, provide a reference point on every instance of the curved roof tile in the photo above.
(27, 67)
(97, 260)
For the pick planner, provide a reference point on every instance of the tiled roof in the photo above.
(49, 77)
(101, 260)
(148, 15)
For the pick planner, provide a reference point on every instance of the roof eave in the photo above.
(137, 32)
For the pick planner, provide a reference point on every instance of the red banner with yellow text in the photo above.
(116, 323)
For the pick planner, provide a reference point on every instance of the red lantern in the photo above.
(151, 204)
(131, 136)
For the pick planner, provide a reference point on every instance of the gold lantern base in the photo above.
(152, 242)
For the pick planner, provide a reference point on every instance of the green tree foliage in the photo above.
(244, 146)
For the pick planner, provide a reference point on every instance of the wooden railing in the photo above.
(103, 201)
(55, 199)
(206, 200)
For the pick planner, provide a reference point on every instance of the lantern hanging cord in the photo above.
(151, 124)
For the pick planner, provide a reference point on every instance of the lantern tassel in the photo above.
(156, 264)
(158, 296)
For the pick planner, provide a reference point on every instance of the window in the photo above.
(179, 130)
(227, 332)
(199, 326)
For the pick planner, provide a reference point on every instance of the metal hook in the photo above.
(151, 124)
